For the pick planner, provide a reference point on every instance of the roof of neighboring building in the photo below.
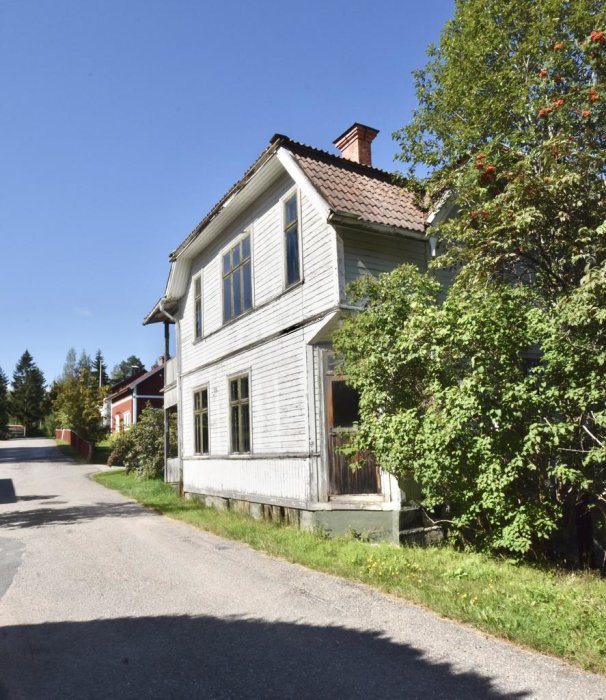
(131, 382)
(369, 194)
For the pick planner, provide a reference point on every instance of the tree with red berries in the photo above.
(494, 400)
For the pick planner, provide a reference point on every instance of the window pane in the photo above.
(247, 284)
(291, 210)
(226, 264)
(197, 401)
(235, 256)
(292, 256)
(237, 293)
(226, 298)
(233, 389)
(344, 405)
(205, 433)
(245, 429)
(246, 247)
(244, 388)
(197, 287)
(235, 429)
(204, 398)
(198, 318)
(197, 433)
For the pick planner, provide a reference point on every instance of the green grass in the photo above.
(558, 613)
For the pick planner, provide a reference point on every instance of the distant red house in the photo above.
(129, 397)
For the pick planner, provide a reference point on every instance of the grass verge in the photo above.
(557, 613)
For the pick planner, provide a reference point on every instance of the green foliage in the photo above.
(3, 402)
(99, 370)
(28, 397)
(447, 399)
(125, 369)
(77, 399)
(140, 449)
(494, 401)
(512, 118)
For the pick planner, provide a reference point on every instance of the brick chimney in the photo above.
(354, 143)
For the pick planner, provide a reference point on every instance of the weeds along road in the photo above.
(100, 598)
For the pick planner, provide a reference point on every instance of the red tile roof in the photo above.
(362, 192)
(350, 188)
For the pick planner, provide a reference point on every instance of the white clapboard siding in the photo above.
(278, 397)
(284, 481)
(274, 307)
(278, 464)
(371, 254)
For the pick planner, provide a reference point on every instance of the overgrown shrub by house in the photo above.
(494, 399)
(141, 448)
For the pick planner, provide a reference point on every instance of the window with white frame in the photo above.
(198, 307)
(239, 413)
(291, 240)
(201, 431)
(237, 280)
(117, 423)
(126, 420)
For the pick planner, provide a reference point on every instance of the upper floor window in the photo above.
(198, 307)
(291, 242)
(239, 408)
(237, 280)
(201, 437)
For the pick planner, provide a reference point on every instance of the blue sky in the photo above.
(122, 123)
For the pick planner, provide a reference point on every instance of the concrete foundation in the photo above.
(373, 525)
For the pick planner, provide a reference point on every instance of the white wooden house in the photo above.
(255, 293)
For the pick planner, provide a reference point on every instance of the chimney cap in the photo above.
(357, 129)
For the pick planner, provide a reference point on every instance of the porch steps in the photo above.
(416, 529)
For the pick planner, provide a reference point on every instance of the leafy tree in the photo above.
(141, 447)
(77, 398)
(511, 118)
(125, 369)
(3, 401)
(28, 397)
(495, 401)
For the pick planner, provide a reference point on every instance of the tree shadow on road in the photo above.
(29, 455)
(207, 657)
(39, 517)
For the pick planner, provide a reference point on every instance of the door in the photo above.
(342, 413)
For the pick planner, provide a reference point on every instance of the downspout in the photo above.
(174, 320)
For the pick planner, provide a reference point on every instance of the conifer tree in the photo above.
(28, 396)
(100, 368)
(3, 401)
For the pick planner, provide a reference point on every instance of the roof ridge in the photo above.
(276, 141)
(338, 160)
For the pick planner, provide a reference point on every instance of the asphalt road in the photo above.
(100, 598)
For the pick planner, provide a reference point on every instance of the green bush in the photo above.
(141, 448)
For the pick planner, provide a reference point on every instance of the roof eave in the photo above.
(348, 220)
